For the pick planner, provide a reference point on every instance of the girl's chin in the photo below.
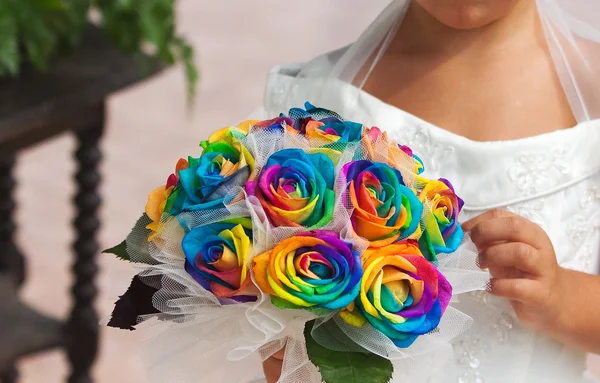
(468, 14)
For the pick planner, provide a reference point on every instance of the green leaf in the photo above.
(346, 367)
(45, 28)
(137, 241)
(136, 244)
(37, 35)
(48, 4)
(186, 54)
(120, 251)
(9, 46)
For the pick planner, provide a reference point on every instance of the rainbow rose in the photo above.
(224, 164)
(323, 124)
(280, 123)
(310, 270)
(296, 188)
(216, 256)
(399, 156)
(401, 294)
(158, 199)
(442, 233)
(384, 209)
(419, 166)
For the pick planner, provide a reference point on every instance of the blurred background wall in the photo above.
(237, 42)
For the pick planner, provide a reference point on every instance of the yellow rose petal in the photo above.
(155, 199)
(227, 261)
(299, 215)
(241, 241)
(376, 289)
(280, 260)
(281, 293)
(352, 316)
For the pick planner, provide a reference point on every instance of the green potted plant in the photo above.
(35, 31)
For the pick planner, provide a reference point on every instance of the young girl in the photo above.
(501, 96)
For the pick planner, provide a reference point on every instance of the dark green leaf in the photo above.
(346, 367)
(136, 248)
(283, 304)
(136, 301)
(120, 251)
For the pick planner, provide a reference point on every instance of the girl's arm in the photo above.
(562, 303)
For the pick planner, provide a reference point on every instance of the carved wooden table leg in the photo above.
(83, 324)
(12, 261)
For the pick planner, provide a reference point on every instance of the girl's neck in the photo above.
(496, 82)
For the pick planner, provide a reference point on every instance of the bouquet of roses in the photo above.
(307, 232)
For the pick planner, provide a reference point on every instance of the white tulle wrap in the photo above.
(199, 338)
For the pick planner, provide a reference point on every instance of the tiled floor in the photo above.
(148, 129)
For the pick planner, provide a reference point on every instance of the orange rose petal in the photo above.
(260, 266)
(365, 201)
(181, 164)
(373, 231)
(368, 146)
(398, 159)
(275, 217)
(247, 288)
(417, 288)
(286, 247)
(359, 211)
(402, 248)
(356, 201)
(221, 291)
(298, 242)
(391, 273)
(384, 242)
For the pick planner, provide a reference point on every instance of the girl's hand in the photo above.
(523, 265)
(272, 366)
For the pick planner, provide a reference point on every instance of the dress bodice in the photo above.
(551, 179)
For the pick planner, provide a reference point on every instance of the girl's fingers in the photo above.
(488, 215)
(508, 229)
(521, 290)
(279, 354)
(272, 368)
(514, 254)
(502, 272)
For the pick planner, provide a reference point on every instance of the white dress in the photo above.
(551, 179)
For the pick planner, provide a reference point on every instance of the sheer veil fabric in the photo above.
(497, 348)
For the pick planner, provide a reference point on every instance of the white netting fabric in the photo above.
(199, 337)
